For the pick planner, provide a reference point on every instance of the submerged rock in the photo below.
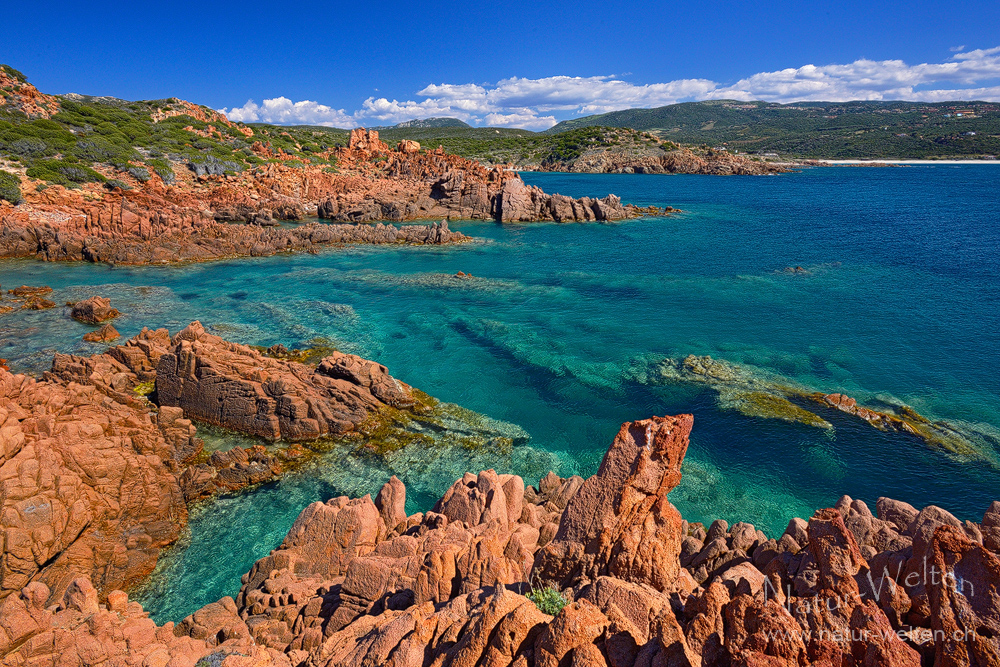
(756, 393)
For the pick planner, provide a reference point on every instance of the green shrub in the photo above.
(140, 174)
(548, 600)
(10, 187)
(63, 172)
(115, 183)
(162, 169)
(28, 147)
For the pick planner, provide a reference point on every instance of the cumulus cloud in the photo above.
(535, 103)
(282, 111)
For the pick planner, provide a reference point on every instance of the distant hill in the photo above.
(423, 123)
(818, 129)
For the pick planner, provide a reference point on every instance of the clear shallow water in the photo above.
(900, 305)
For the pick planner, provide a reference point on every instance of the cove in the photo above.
(896, 303)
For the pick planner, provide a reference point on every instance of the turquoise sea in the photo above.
(898, 303)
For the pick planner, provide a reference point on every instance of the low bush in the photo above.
(63, 172)
(138, 173)
(548, 600)
(28, 147)
(163, 170)
(10, 187)
(14, 74)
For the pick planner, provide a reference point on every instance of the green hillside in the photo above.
(118, 142)
(819, 129)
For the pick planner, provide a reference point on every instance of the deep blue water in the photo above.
(900, 305)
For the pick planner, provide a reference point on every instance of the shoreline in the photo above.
(902, 161)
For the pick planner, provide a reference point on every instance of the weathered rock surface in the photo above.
(620, 523)
(84, 489)
(357, 582)
(210, 216)
(237, 387)
(77, 630)
(94, 310)
(95, 478)
(105, 334)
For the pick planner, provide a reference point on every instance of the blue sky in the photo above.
(511, 63)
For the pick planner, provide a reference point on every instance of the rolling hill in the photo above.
(818, 129)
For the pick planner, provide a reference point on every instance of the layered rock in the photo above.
(237, 387)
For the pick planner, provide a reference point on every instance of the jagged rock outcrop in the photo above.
(517, 202)
(77, 630)
(357, 582)
(95, 479)
(203, 216)
(84, 489)
(105, 334)
(620, 523)
(237, 387)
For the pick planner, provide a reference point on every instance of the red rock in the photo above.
(579, 624)
(105, 334)
(85, 492)
(964, 593)
(874, 643)
(237, 387)
(24, 291)
(620, 523)
(94, 310)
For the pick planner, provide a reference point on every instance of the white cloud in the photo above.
(282, 111)
(533, 103)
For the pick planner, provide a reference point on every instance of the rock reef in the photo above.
(358, 582)
(759, 394)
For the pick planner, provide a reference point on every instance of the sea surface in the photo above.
(896, 303)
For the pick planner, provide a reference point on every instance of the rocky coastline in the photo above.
(201, 217)
(662, 158)
(96, 480)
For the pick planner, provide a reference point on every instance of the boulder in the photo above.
(94, 310)
(105, 334)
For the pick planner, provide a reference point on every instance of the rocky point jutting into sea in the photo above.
(203, 216)
(101, 459)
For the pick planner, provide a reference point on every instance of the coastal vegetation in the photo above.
(75, 139)
(866, 129)
(10, 187)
